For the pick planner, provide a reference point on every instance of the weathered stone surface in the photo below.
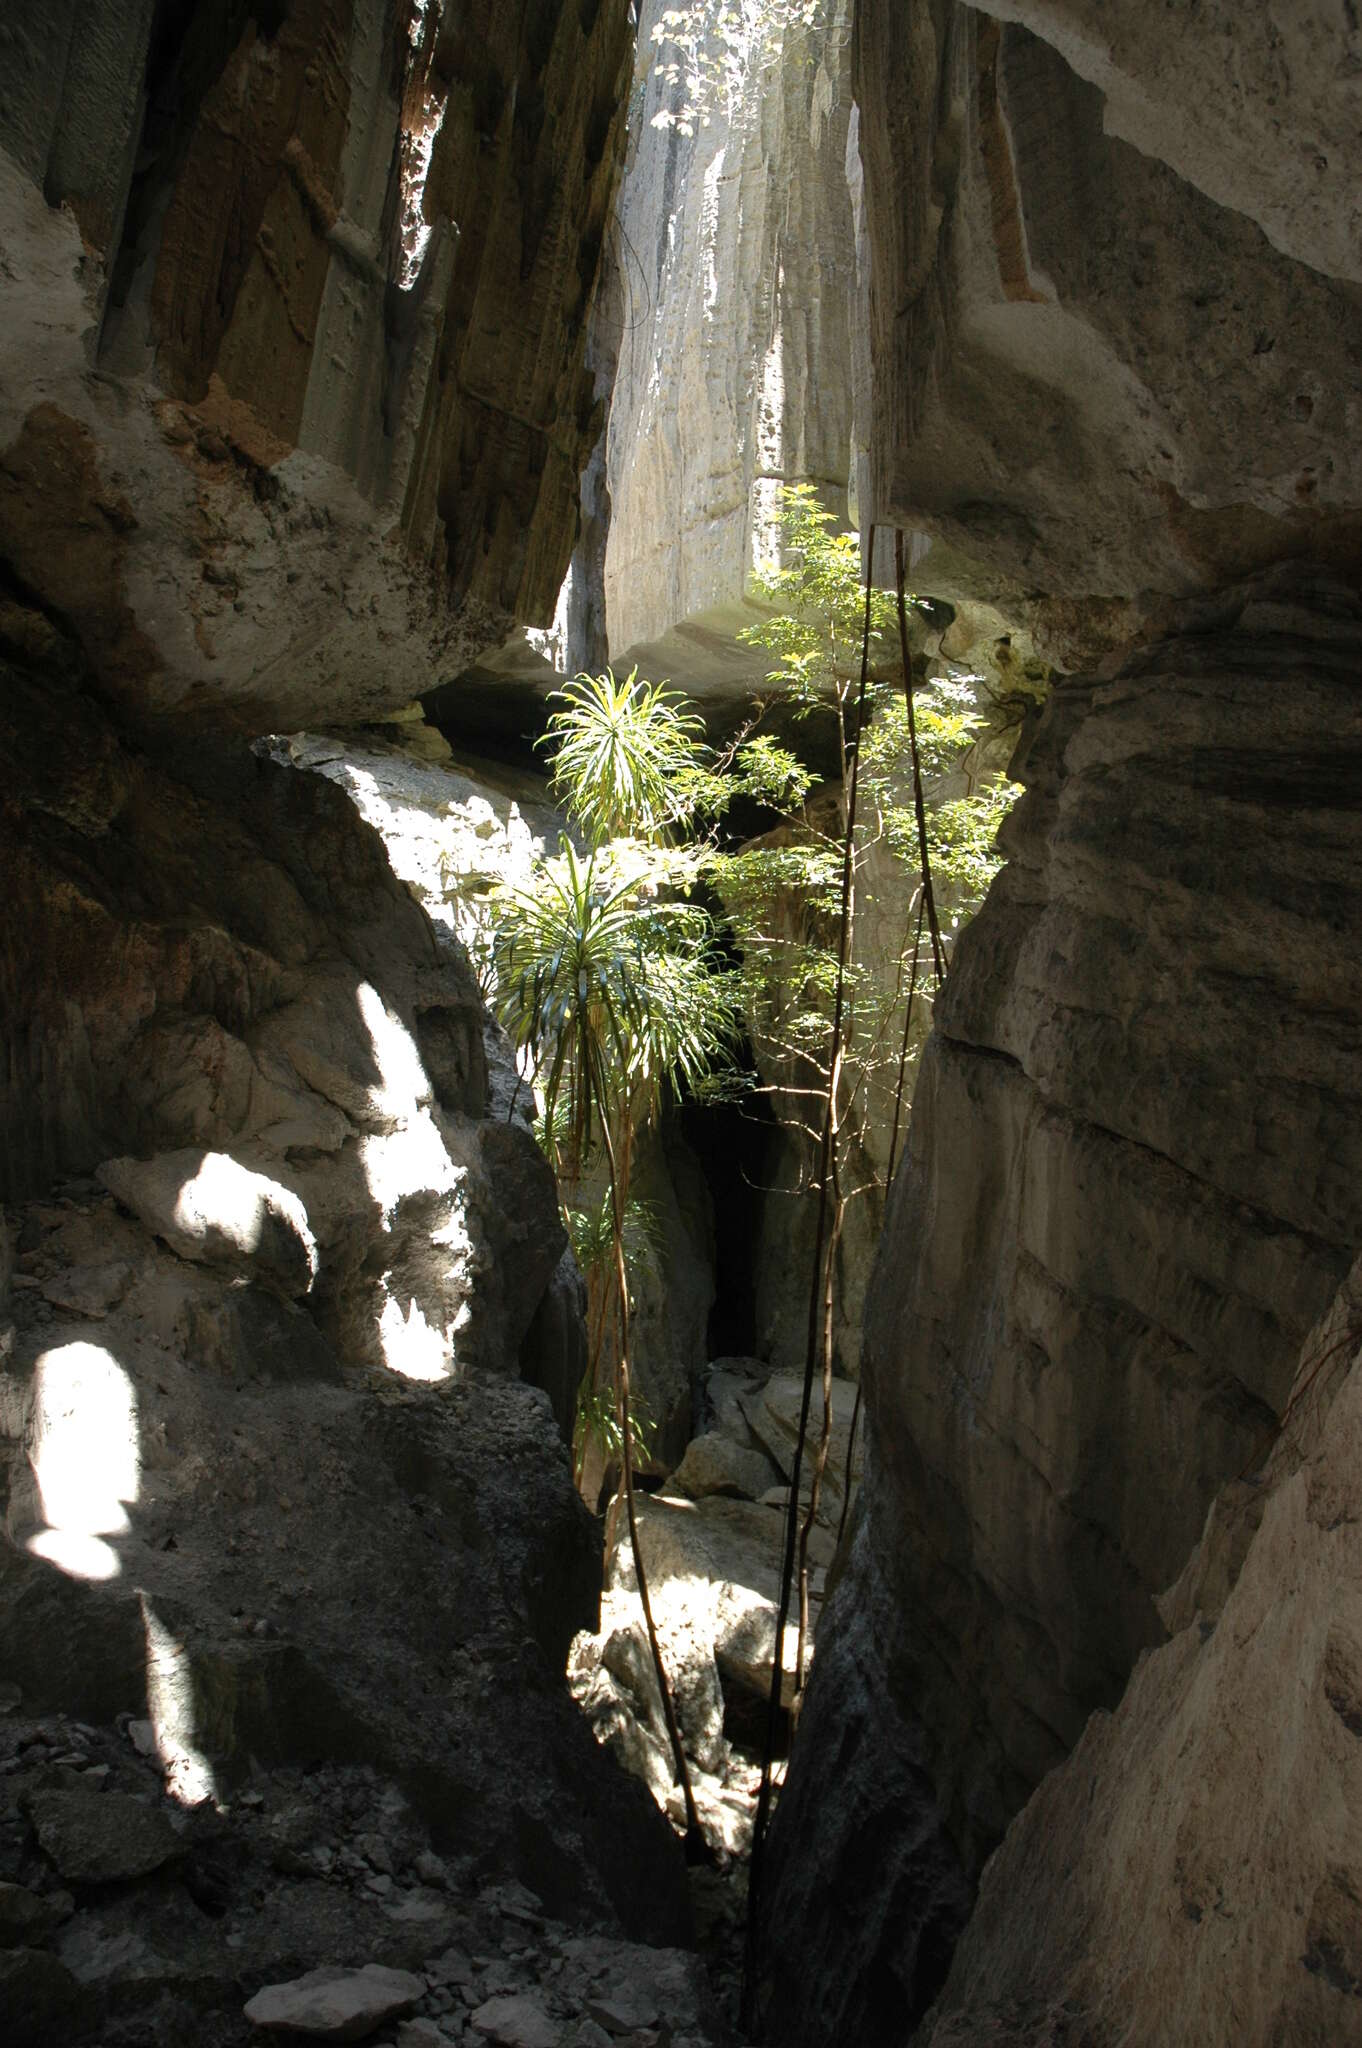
(715, 1464)
(625, 2009)
(402, 213)
(207, 1206)
(206, 1486)
(1098, 386)
(733, 369)
(99, 1837)
(336, 2005)
(773, 1418)
(517, 2022)
(1192, 1872)
(421, 2034)
(1131, 1186)
(713, 1580)
(1253, 110)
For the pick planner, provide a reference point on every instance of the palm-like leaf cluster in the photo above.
(624, 755)
(614, 995)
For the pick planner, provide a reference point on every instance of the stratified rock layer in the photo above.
(1105, 372)
(1132, 1185)
(739, 284)
(1192, 1872)
(294, 394)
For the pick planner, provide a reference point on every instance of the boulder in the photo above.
(773, 1418)
(26, 1917)
(101, 1837)
(336, 2004)
(207, 1206)
(515, 2022)
(713, 1463)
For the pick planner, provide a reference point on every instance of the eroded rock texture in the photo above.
(1116, 347)
(1207, 1831)
(1109, 371)
(271, 1475)
(294, 396)
(1131, 1188)
(738, 277)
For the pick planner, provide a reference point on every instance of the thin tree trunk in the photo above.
(757, 1868)
(919, 804)
(694, 1835)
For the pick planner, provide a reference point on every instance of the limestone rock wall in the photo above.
(1130, 1190)
(1113, 334)
(738, 276)
(1177, 1822)
(293, 402)
(294, 391)
(282, 1263)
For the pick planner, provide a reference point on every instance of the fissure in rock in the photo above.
(364, 375)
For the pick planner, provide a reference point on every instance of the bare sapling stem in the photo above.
(763, 1812)
(693, 1830)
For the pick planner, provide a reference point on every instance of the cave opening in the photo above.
(732, 1140)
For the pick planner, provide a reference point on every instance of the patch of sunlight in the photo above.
(402, 1081)
(396, 1163)
(85, 1458)
(771, 450)
(410, 1159)
(423, 119)
(413, 1347)
(170, 1707)
(225, 1201)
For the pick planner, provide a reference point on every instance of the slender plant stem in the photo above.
(846, 1476)
(757, 1868)
(925, 902)
(693, 1829)
(903, 1048)
(919, 803)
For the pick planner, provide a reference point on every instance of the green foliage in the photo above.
(614, 980)
(624, 756)
(708, 52)
(782, 895)
(598, 1421)
(591, 1232)
(613, 994)
(818, 593)
(611, 984)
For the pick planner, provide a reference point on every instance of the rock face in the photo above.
(295, 399)
(1114, 357)
(1170, 1846)
(271, 1479)
(1147, 1052)
(309, 1904)
(1115, 340)
(739, 288)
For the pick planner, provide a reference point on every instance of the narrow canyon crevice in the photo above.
(365, 369)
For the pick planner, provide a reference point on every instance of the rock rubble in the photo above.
(306, 1904)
